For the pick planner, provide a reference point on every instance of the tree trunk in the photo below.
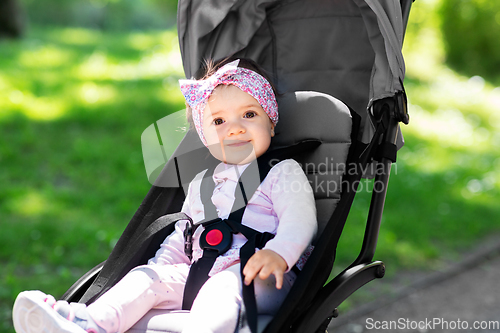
(12, 20)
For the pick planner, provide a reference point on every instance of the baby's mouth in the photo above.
(237, 143)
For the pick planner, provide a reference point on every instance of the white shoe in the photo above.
(32, 314)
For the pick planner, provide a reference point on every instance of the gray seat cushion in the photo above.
(309, 114)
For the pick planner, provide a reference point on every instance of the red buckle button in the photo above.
(214, 237)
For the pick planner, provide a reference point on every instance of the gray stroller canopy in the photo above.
(350, 49)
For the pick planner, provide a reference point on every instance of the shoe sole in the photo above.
(33, 315)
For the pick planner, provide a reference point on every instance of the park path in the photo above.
(464, 295)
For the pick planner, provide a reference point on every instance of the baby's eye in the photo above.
(218, 121)
(250, 114)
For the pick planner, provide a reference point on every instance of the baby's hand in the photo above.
(264, 263)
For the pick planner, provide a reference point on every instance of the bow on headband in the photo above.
(197, 92)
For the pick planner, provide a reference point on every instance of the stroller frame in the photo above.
(308, 311)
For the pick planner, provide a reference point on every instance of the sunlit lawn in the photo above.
(73, 105)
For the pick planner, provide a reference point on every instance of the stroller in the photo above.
(315, 49)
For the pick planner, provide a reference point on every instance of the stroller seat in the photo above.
(303, 116)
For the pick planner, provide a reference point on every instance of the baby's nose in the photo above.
(236, 128)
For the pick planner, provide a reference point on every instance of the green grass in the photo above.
(73, 106)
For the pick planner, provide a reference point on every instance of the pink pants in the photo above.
(215, 309)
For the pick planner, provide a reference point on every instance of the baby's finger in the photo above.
(250, 271)
(249, 276)
(279, 279)
(265, 272)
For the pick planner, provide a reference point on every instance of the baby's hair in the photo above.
(210, 67)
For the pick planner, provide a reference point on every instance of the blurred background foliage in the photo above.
(85, 78)
(102, 14)
(471, 31)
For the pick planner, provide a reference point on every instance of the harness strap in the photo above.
(248, 291)
(200, 269)
(198, 275)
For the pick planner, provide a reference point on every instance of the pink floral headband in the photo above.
(197, 92)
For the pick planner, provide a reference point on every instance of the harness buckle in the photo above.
(188, 240)
(217, 236)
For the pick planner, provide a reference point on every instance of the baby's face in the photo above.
(236, 127)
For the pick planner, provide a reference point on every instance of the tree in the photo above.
(471, 31)
(12, 20)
